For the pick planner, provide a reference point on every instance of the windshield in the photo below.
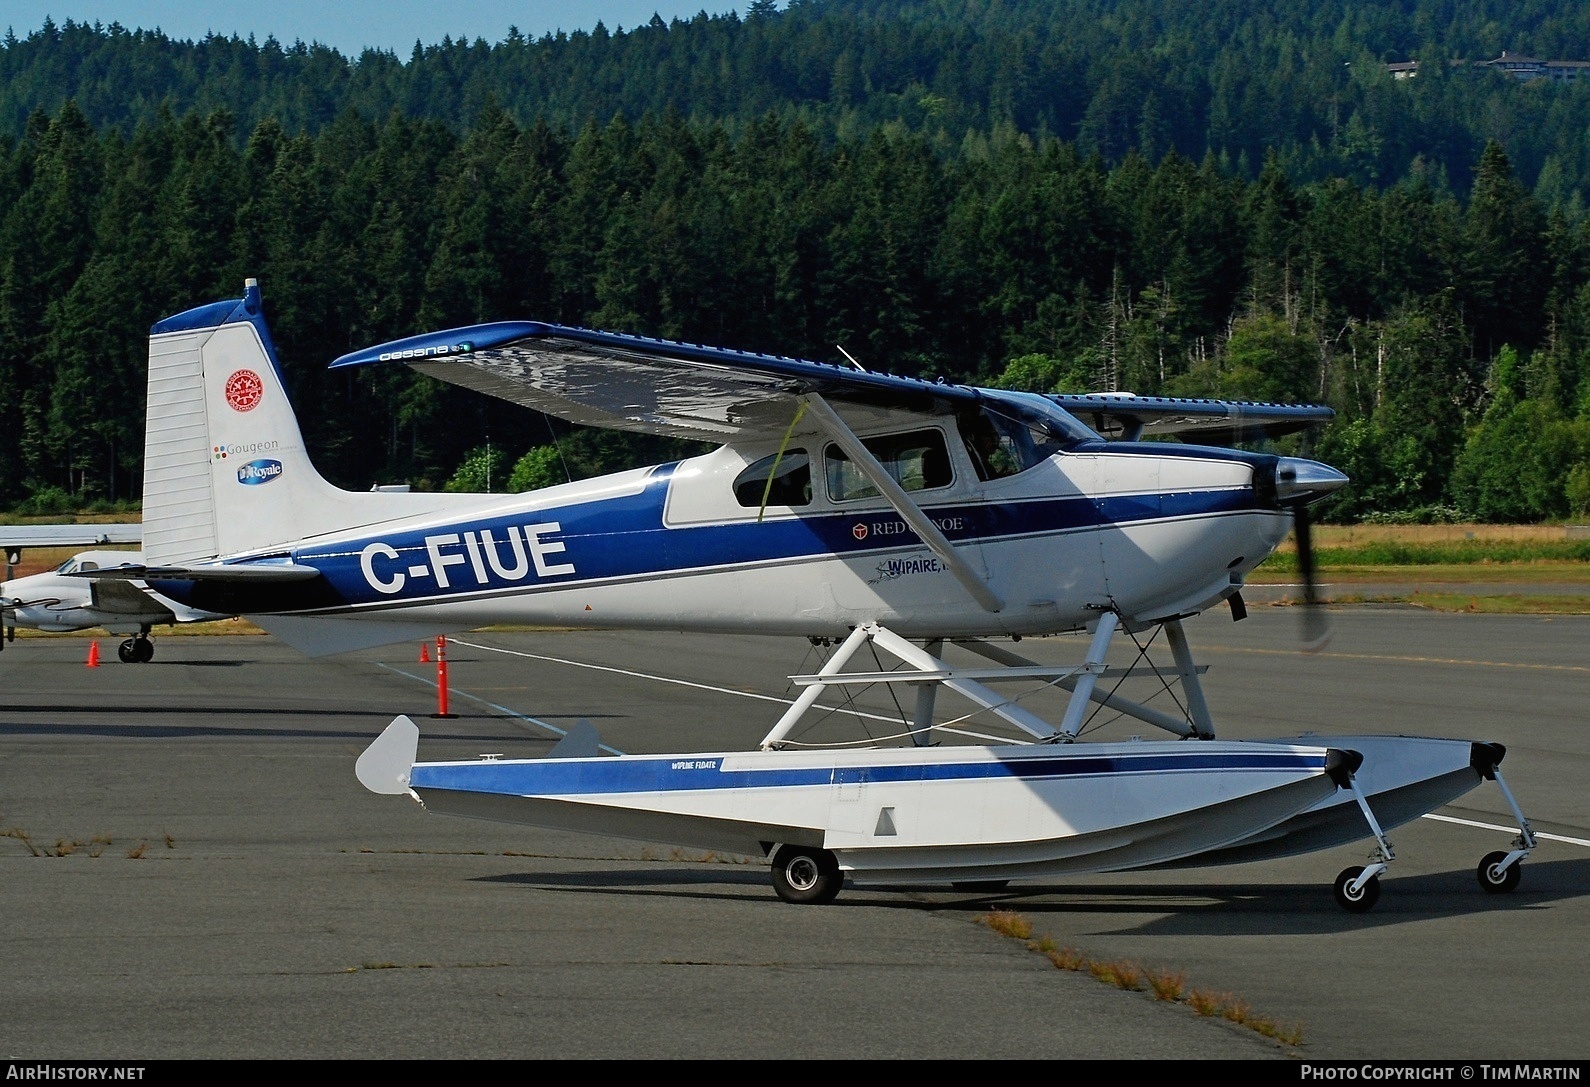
(1012, 432)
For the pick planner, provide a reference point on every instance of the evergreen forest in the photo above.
(1233, 199)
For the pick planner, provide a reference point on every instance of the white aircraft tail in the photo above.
(225, 467)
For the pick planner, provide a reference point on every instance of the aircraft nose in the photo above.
(1303, 481)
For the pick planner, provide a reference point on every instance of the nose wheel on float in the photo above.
(1358, 888)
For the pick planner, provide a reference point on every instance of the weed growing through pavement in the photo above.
(67, 847)
(1167, 985)
(1122, 975)
(1009, 924)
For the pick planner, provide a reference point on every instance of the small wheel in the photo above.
(804, 875)
(146, 650)
(128, 651)
(1360, 901)
(980, 886)
(1493, 879)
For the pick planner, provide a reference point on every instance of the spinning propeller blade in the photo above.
(1316, 622)
(1298, 484)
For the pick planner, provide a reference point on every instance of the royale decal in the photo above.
(478, 553)
(244, 390)
(256, 472)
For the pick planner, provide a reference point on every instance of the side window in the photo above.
(776, 480)
(918, 461)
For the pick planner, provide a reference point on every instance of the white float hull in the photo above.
(901, 815)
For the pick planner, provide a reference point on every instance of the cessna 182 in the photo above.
(847, 507)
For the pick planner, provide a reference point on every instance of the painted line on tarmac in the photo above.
(504, 710)
(1239, 650)
(1508, 830)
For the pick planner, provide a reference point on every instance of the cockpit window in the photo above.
(780, 479)
(1002, 443)
(918, 461)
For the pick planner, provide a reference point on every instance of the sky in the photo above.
(349, 26)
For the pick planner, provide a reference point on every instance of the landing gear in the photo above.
(1354, 893)
(1357, 889)
(136, 650)
(1500, 872)
(806, 876)
(1496, 875)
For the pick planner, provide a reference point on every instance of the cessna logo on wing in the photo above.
(428, 352)
(479, 554)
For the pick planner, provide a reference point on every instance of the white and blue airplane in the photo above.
(850, 508)
(59, 600)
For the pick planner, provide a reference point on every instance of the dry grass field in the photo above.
(1354, 535)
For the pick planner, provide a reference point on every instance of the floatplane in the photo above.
(850, 508)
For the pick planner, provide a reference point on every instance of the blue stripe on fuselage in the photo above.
(689, 773)
(625, 537)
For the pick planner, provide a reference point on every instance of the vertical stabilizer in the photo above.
(225, 467)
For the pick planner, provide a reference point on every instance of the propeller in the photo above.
(1316, 620)
(1298, 484)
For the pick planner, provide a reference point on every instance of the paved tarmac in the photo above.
(189, 869)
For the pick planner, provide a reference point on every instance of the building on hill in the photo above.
(1517, 65)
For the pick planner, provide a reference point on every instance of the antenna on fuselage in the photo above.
(852, 359)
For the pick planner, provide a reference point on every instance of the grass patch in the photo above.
(1009, 924)
(1466, 553)
(1169, 986)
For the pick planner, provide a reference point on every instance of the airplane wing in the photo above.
(1124, 417)
(15, 537)
(685, 390)
(653, 386)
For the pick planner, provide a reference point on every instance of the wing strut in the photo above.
(920, 523)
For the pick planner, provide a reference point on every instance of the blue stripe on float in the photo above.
(694, 773)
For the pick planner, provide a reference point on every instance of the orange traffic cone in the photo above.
(93, 655)
(425, 652)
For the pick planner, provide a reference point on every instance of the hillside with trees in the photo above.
(1071, 195)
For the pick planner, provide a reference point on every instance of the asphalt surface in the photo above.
(189, 869)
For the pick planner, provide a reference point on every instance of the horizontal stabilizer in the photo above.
(237, 573)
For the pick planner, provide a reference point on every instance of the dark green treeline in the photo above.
(1452, 334)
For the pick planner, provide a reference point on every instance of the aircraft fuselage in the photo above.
(1150, 529)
